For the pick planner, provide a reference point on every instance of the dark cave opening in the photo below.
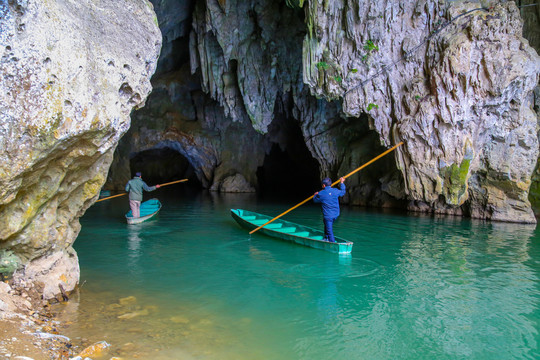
(163, 165)
(290, 171)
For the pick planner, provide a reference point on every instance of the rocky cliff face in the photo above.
(530, 12)
(453, 80)
(70, 74)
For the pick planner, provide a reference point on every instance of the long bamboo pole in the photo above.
(173, 182)
(110, 197)
(337, 181)
(160, 185)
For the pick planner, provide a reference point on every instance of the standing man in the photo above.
(328, 197)
(135, 187)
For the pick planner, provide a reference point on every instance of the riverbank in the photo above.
(30, 331)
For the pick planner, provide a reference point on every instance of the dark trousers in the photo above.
(328, 230)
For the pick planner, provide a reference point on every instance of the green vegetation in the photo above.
(329, 69)
(455, 181)
(322, 65)
(295, 4)
(370, 47)
(9, 262)
(372, 106)
(534, 193)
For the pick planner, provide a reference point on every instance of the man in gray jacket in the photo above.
(135, 187)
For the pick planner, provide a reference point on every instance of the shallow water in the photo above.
(192, 284)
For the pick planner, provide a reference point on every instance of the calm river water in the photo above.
(192, 284)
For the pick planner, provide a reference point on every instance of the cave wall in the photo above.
(70, 74)
(530, 13)
(245, 77)
(181, 117)
(453, 80)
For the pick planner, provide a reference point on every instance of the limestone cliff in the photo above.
(461, 100)
(70, 74)
(454, 80)
(245, 95)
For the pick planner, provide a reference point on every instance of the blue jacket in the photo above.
(329, 198)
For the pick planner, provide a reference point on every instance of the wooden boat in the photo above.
(104, 193)
(290, 231)
(149, 209)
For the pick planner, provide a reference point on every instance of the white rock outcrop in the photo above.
(70, 74)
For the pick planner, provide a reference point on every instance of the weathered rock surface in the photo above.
(70, 74)
(461, 101)
(530, 12)
(180, 117)
(210, 107)
(453, 80)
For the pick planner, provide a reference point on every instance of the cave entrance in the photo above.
(163, 165)
(289, 171)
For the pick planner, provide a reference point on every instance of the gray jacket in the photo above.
(136, 186)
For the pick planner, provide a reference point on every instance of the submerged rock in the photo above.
(94, 351)
(127, 300)
(179, 319)
(134, 314)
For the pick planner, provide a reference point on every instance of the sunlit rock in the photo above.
(52, 273)
(70, 74)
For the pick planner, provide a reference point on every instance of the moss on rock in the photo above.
(9, 262)
(455, 182)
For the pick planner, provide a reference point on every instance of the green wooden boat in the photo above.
(290, 231)
(149, 209)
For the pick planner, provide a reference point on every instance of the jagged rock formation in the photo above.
(461, 101)
(70, 74)
(453, 80)
(244, 98)
(530, 12)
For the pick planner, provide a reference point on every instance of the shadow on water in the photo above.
(193, 284)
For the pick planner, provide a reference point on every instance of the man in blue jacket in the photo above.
(328, 197)
(135, 187)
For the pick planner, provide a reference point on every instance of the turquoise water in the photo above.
(192, 284)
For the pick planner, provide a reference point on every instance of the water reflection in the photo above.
(134, 250)
(454, 290)
(134, 240)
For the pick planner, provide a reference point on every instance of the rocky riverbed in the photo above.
(29, 330)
